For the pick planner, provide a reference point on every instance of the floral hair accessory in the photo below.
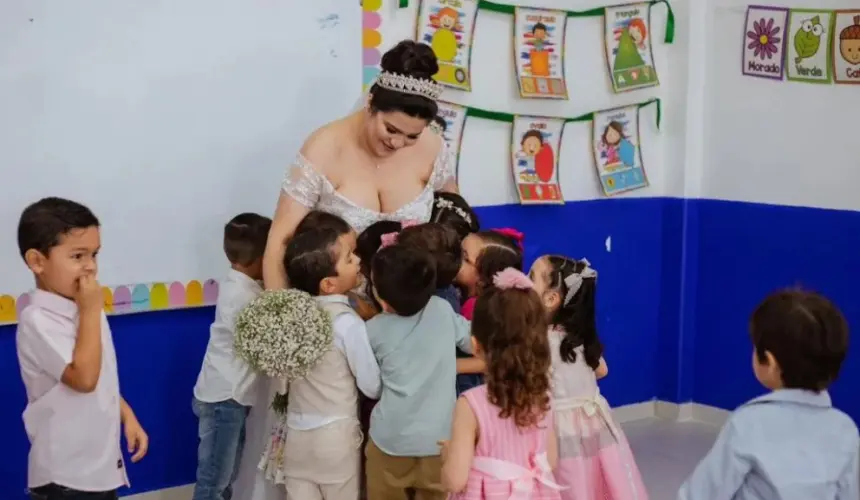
(511, 278)
(511, 233)
(387, 239)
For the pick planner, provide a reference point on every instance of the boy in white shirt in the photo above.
(224, 392)
(68, 363)
(323, 438)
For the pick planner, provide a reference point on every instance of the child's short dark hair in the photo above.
(44, 222)
(245, 238)
(442, 243)
(452, 210)
(369, 241)
(805, 333)
(310, 258)
(500, 252)
(404, 277)
(317, 219)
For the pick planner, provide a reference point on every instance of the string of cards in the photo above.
(804, 45)
(536, 143)
(539, 44)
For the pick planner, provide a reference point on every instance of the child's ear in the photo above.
(35, 260)
(327, 286)
(551, 300)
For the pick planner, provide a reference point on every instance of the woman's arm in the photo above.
(458, 453)
(288, 214)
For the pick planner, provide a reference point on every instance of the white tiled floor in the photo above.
(666, 453)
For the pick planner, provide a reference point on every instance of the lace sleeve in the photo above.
(444, 168)
(302, 182)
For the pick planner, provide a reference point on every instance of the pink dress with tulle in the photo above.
(510, 463)
(594, 459)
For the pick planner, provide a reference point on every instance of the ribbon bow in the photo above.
(522, 479)
(388, 239)
(510, 233)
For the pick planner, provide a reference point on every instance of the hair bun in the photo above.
(412, 59)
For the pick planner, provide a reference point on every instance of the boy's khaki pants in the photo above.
(388, 477)
(323, 463)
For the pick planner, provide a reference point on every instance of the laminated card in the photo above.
(764, 41)
(539, 52)
(808, 51)
(846, 46)
(628, 47)
(455, 121)
(447, 26)
(617, 156)
(534, 152)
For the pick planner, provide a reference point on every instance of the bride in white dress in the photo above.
(379, 163)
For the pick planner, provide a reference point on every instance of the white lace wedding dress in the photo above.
(313, 190)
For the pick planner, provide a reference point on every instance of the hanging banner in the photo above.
(535, 146)
(539, 52)
(628, 47)
(764, 42)
(454, 117)
(846, 46)
(808, 52)
(447, 26)
(617, 157)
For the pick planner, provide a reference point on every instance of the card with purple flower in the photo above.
(764, 42)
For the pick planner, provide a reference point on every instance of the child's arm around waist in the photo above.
(351, 337)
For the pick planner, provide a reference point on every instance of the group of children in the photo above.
(485, 377)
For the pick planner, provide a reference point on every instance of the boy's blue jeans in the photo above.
(222, 437)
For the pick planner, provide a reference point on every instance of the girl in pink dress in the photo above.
(595, 461)
(502, 443)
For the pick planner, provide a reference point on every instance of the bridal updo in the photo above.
(407, 58)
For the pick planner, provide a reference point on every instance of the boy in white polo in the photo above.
(68, 363)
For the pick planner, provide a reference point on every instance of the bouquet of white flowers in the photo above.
(283, 334)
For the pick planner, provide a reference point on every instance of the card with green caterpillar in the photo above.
(807, 55)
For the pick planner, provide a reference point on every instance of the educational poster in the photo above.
(535, 147)
(539, 52)
(764, 42)
(616, 150)
(846, 46)
(447, 26)
(455, 121)
(808, 51)
(628, 47)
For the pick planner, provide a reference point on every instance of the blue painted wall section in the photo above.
(668, 335)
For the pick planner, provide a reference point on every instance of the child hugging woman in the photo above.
(502, 440)
(595, 460)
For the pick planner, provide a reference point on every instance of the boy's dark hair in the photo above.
(317, 219)
(805, 333)
(442, 243)
(369, 241)
(245, 238)
(310, 257)
(44, 222)
(405, 278)
(499, 253)
(452, 210)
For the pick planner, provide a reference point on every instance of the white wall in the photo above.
(774, 142)
(485, 176)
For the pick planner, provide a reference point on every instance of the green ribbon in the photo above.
(670, 20)
(498, 116)
(404, 4)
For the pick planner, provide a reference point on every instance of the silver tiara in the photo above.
(409, 85)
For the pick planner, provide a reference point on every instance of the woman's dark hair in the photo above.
(442, 243)
(500, 252)
(452, 210)
(577, 317)
(311, 257)
(404, 277)
(805, 333)
(510, 326)
(317, 219)
(407, 58)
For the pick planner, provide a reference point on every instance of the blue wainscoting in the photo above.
(732, 254)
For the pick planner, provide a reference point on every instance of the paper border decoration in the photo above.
(448, 26)
(761, 26)
(801, 53)
(455, 123)
(634, 16)
(851, 72)
(535, 149)
(371, 40)
(629, 171)
(535, 57)
(125, 299)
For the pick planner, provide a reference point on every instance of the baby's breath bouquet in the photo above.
(283, 334)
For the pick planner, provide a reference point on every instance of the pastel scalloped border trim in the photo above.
(126, 299)
(371, 40)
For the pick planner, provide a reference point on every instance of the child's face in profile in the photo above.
(348, 266)
(73, 258)
(468, 275)
(539, 274)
